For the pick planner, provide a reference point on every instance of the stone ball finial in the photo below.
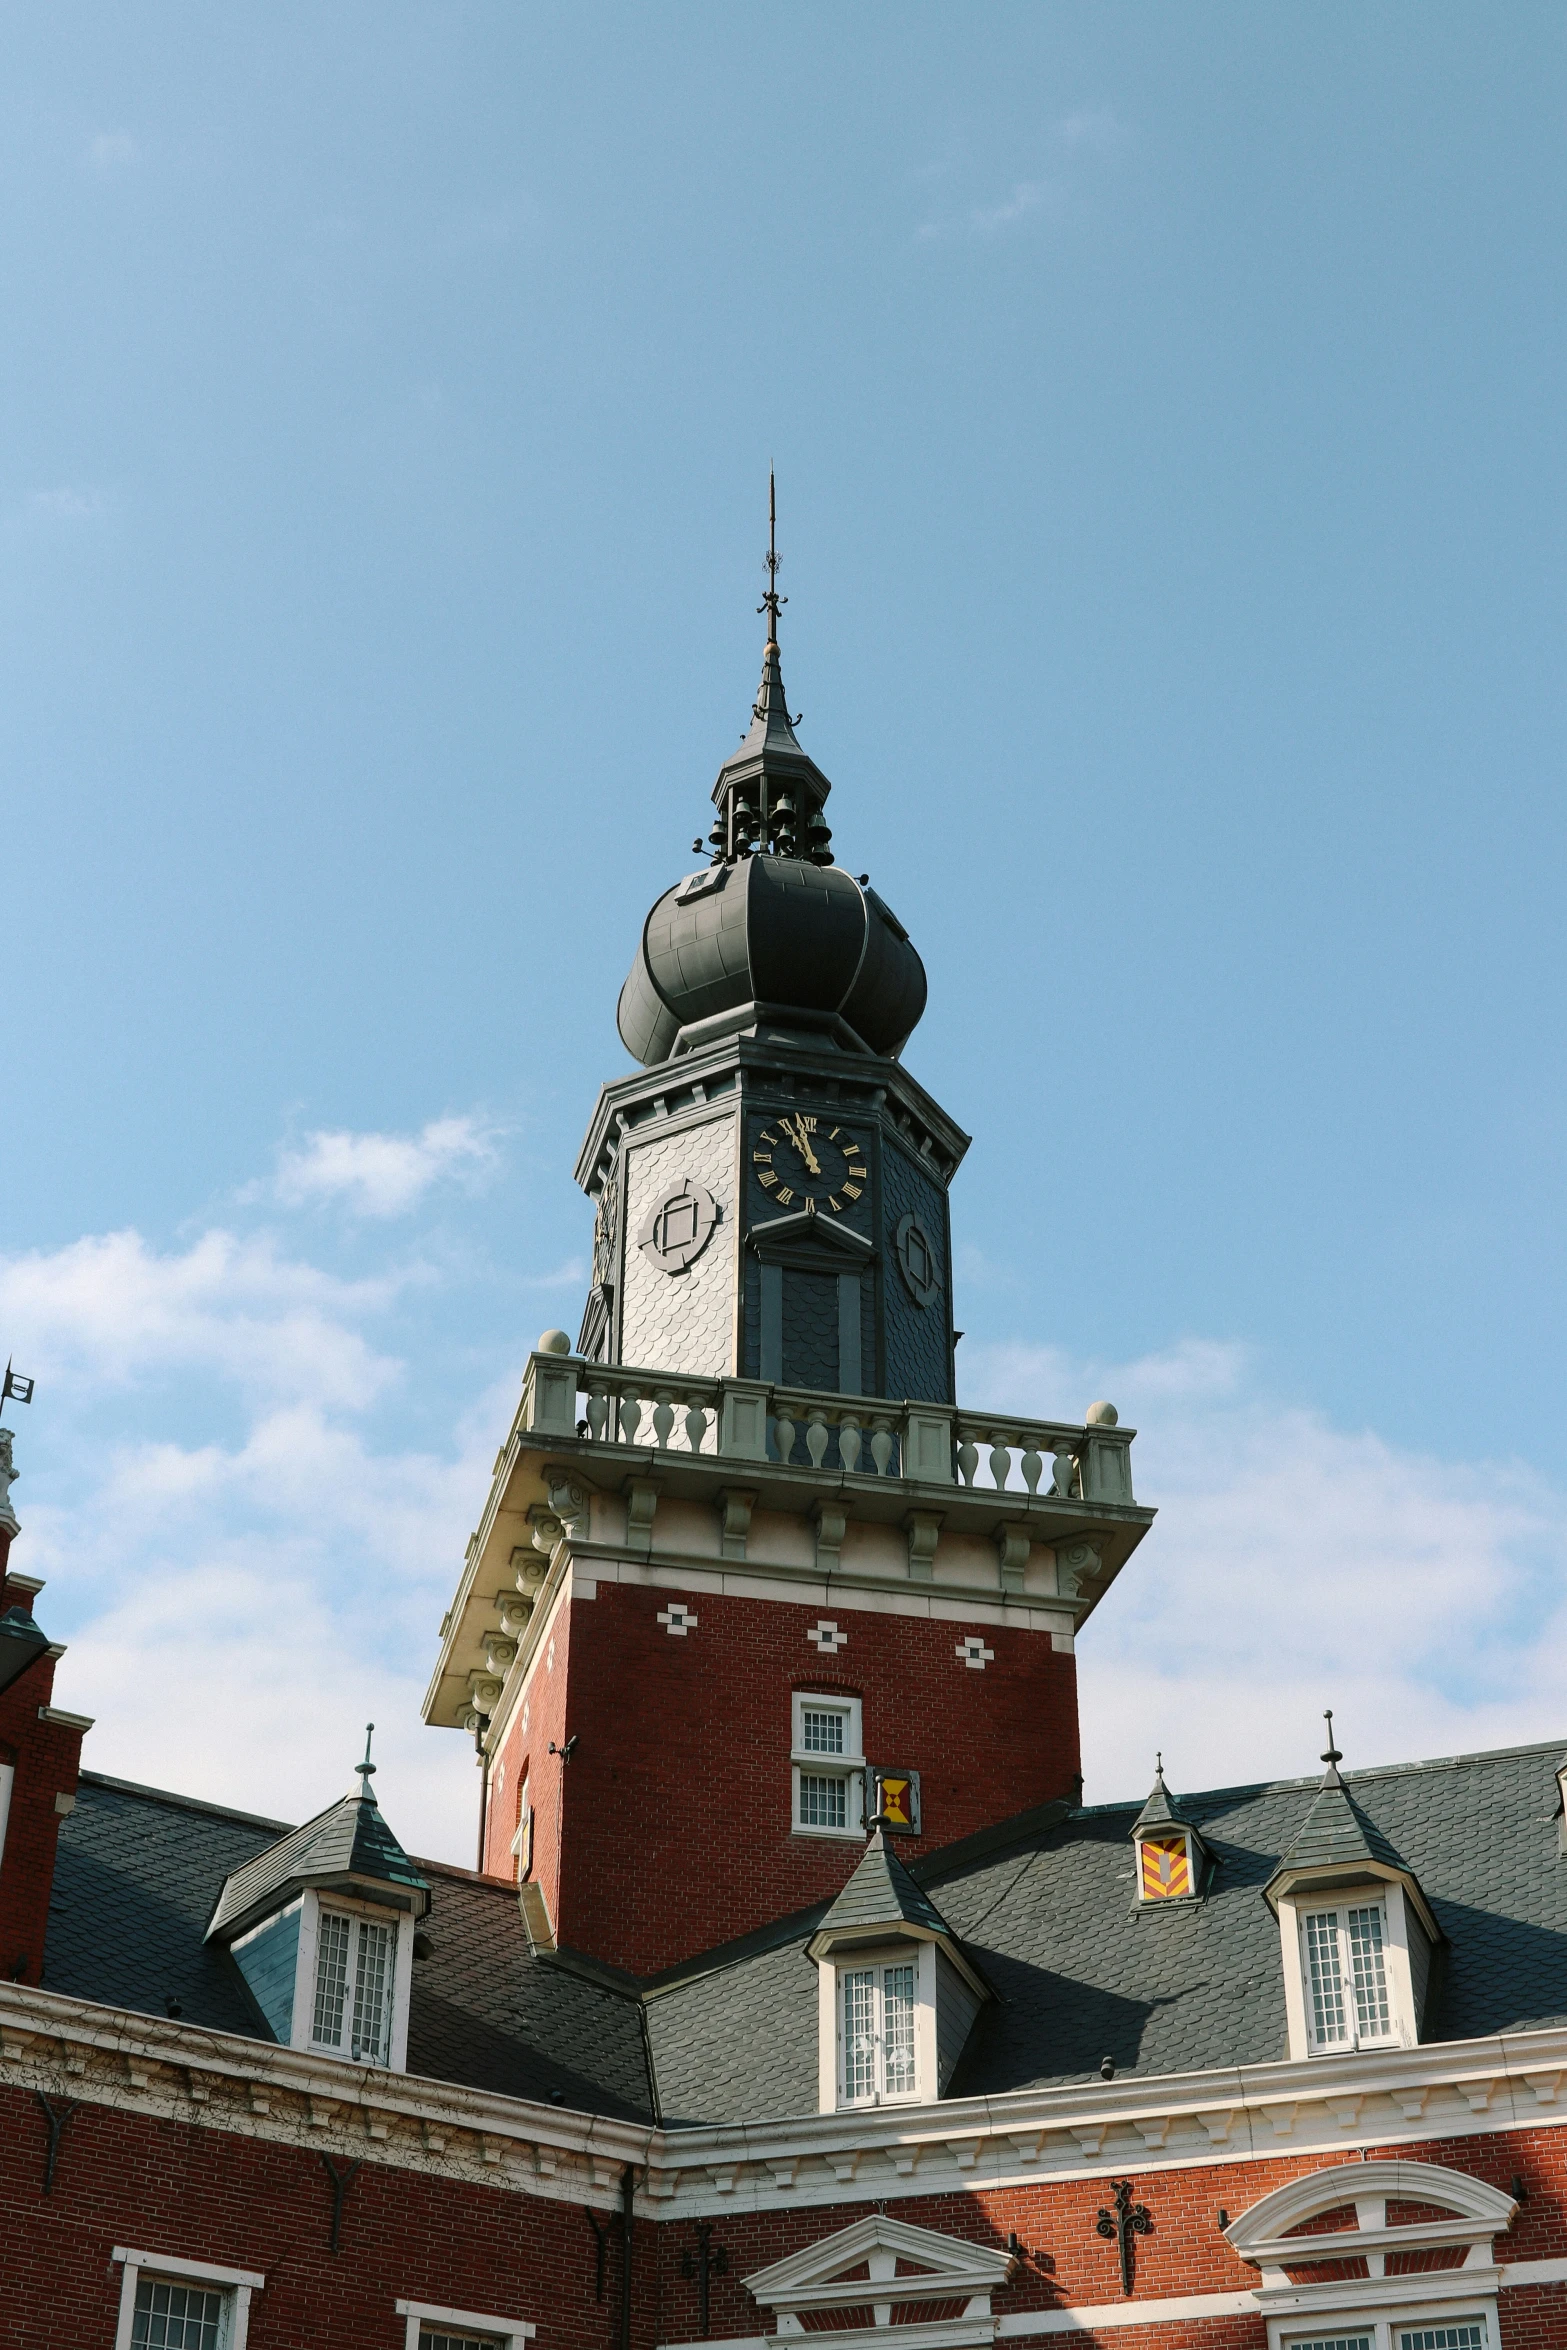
(553, 1342)
(1101, 1415)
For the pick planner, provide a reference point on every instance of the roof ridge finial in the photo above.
(1331, 1755)
(772, 602)
(366, 1769)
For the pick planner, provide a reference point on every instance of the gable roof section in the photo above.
(940, 2267)
(881, 1893)
(348, 1844)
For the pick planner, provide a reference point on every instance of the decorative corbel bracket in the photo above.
(641, 1506)
(831, 1520)
(923, 1528)
(1012, 1549)
(568, 1500)
(1074, 1562)
(547, 1528)
(734, 1519)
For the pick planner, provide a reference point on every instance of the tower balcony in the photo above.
(663, 1476)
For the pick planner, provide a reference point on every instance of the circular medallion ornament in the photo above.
(676, 1229)
(917, 1261)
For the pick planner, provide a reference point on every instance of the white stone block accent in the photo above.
(973, 1653)
(677, 1619)
(827, 1637)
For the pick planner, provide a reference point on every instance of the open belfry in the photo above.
(797, 1988)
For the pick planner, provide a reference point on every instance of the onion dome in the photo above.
(772, 921)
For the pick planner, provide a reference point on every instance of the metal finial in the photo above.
(1158, 1765)
(1332, 1756)
(772, 602)
(366, 1769)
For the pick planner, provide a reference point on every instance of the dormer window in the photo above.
(321, 1928)
(1357, 1932)
(1170, 1850)
(897, 1990)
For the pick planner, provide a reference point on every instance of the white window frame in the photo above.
(1294, 1910)
(371, 1913)
(832, 2096)
(508, 2333)
(1386, 2330)
(171, 2268)
(810, 1763)
(7, 1782)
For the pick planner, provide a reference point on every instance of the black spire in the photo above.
(770, 794)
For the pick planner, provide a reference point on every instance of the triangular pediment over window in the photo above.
(902, 2277)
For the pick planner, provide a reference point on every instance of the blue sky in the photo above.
(1166, 407)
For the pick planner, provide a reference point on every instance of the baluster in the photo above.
(1000, 1460)
(881, 1444)
(1032, 1465)
(663, 1416)
(696, 1423)
(816, 1433)
(968, 1458)
(630, 1415)
(785, 1427)
(598, 1412)
(1062, 1477)
(849, 1444)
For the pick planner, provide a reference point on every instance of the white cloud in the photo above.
(382, 1174)
(1027, 196)
(109, 1309)
(237, 1606)
(1094, 128)
(1296, 1565)
(112, 150)
(65, 505)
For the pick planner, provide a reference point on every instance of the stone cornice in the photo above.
(1447, 2090)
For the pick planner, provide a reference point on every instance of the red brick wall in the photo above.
(47, 1756)
(1184, 2252)
(167, 2186)
(180, 2188)
(676, 1824)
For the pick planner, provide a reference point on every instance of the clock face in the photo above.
(801, 1162)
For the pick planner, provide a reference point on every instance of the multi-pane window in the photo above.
(1334, 2342)
(829, 1767)
(1470, 2335)
(177, 2317)
(429, 2341)
(353, 1994)
(877, 2015)
(1346, 1977)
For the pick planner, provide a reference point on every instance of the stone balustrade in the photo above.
(617, 1405)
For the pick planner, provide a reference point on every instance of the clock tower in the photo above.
(772, 1187)
(748, 1579)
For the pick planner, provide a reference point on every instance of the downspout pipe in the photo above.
(628, 2183)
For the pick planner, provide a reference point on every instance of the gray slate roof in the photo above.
(1336, 1832)
(137, 1877)
(1047, 1909)
(882, 1893)
(349, 1839)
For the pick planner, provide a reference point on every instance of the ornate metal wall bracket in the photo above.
(1125, 2222)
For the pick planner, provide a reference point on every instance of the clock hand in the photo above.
(797, 1131)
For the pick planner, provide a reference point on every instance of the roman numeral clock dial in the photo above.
(801, 1163)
